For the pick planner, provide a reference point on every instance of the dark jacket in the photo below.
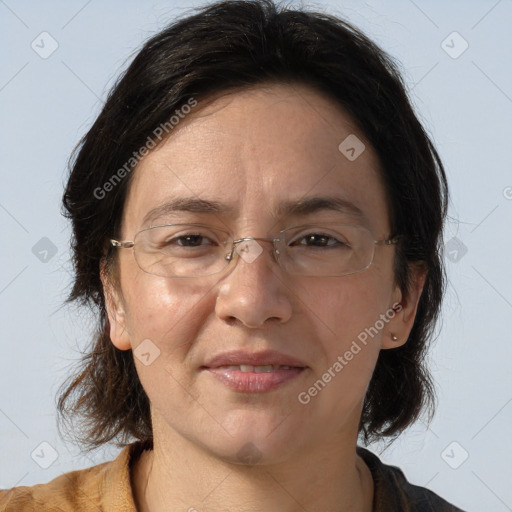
(393, 493)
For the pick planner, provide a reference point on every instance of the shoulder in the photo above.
(62, 493)
(67, 492)
(106, 486)
(392, 491)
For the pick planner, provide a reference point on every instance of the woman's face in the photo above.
(251, 153)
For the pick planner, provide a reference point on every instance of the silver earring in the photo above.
(394, 338)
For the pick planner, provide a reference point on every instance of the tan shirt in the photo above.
(107, 487)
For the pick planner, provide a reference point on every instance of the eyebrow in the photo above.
(309, 205)
(188, 204)
(300, 208)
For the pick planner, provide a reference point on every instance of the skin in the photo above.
(253, 149)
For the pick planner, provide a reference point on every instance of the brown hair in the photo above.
(229, 45)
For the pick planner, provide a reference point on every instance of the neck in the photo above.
(178, 472)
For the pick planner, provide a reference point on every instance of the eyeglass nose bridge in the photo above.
(275, 241)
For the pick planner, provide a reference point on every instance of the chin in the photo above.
(252, 451)
(255, 439)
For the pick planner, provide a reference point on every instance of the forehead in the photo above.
(257, 149)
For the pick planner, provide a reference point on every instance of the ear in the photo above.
(115, 310)
(405, 307)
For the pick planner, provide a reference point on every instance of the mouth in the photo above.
(262, 359)
(246, 368)
(254, 373)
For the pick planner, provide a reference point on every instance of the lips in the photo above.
(257, 369)
(243, 360)
(256, 372)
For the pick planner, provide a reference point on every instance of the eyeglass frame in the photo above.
(229, 256)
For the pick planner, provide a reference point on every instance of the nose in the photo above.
(254, 293)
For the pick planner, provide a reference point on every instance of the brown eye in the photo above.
(190, 240)
(318, 240)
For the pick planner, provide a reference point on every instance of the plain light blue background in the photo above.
(465, 103)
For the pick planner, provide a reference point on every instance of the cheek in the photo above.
(168, 313)
(347, 316)
(344, 307)
(163, 310)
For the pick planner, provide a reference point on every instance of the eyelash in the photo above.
(302, 237)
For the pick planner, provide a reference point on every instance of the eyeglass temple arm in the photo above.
(388, 241)
(122, 245)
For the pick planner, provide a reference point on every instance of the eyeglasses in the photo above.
(198, 250)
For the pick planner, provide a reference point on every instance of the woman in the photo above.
(257, 218)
